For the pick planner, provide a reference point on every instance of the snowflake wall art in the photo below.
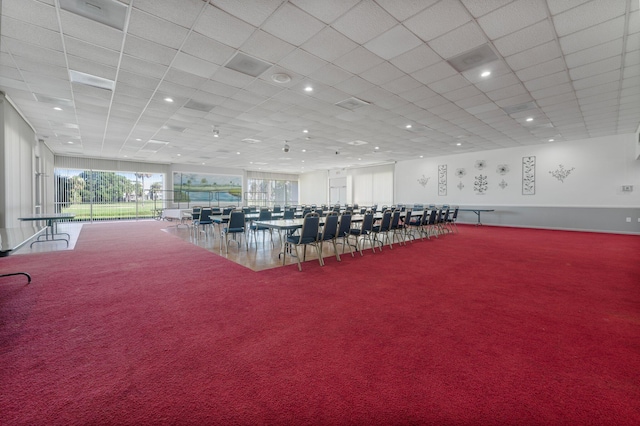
(561, 173)
(423, 181)
(480, 185)
(480, 164)
(502, 169)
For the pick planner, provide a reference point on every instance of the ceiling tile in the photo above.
(438, 20)
(481, 8)
(364, 22)
(394, 42)
(255, 13)
(358, 60)
(587, 15)
(592, 36)
(595, 68)
(224, 28)
(292, 25)
(526, 38)
(593, 54)
(327, 10)
(264, 46)
(458, 41)
(512, 17)
(329, 44)
(540, 70)
(382, 73)
(402, 10)
(416, 59)
(536, 55)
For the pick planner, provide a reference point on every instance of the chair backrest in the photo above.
(246, 210)
(385, 223)
(195, 213)
(407, 216)
(277, 209)
(306, 211)
(289, 214)
(367, 222)
(215, 210)
(205, 216)
(330, 228)
(345, 224)
(310, 227)
(455, 213)
(395, 219)
(265, 214)
(433, 216)
(227, 211)
(236, 222)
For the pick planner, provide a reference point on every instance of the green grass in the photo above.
(111, 210)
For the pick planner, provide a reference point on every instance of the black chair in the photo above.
(195, 219)
(451, 220)
(235, 226)
(329, 233)
(415, 223)
(343, 231)
(265, 214)
(363, 232)
(431, 224)
(382, 229)
(308, 236)
(395, 227)
(205, 221)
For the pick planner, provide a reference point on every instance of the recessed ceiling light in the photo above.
(377, 147)
(168, 99)
(138, 139)
(485, 74)
(303, 161)
(529, 119)
(305, 131)
(70, 142)
(304, 150)
(422, 156)
(308, 89)
(408, 126)
(359, 159)
(203, 164)
(238, 152)
(551, 140)
(57, 108)
(459, 144)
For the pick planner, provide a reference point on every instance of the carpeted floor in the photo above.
(488, 326)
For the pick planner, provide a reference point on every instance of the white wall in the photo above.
(314, 187)
(589, 198)
(599, 166)
(17, 175)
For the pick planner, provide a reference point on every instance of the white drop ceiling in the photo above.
(375, 67)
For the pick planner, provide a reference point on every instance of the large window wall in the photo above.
(106, 190)
(269, 189)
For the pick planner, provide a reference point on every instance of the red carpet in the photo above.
(488, 326)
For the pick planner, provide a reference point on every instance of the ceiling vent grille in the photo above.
(352, 103)
(52, 100)
(247, 64)
(199, 106)
(107, 12)
(514, 109)
(473, 58)
(91, 80)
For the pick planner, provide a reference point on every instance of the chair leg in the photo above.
(335, 248)
(295, 246)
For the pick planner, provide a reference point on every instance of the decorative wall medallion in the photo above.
(423, 181)
(442, 179)
(480, 164)
(561, 173)
(502, 169)
(460, 172)
(528, 175)
(480, 185)
(460, 186)
(503, 184)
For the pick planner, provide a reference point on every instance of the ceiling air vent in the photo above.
(107, 12)
(154, 146)
(513, 109)
(247, 64)
(473, 58)
(352, 103)
(199, 106)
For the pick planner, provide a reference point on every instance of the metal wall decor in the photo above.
(442, 179)
(503, 184)
(423, 181)
(529, 175)
(480, 164)
(502, 169)
(480, 185)
(561, 173)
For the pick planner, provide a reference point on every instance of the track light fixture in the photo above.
(285, 148)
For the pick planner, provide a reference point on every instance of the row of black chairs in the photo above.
(391, 228)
